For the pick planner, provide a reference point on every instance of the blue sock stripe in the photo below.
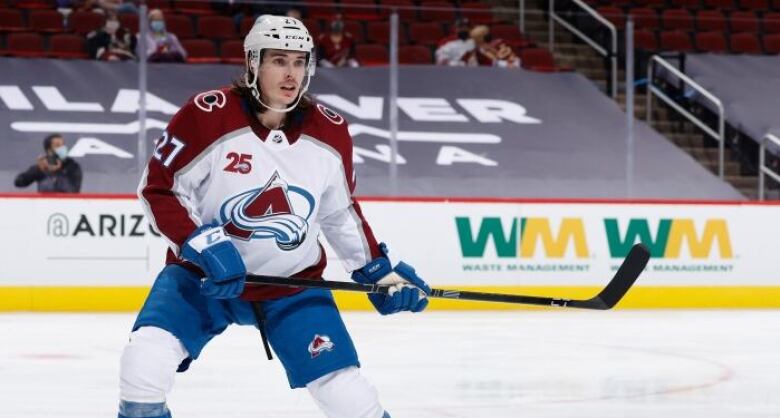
(129, 409)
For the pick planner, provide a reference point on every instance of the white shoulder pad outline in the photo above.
(332, 116)
(208, 100)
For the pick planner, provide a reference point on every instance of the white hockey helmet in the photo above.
(277, 32)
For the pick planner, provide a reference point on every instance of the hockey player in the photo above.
(244, 179)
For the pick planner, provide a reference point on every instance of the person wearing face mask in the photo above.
(112, 42)
(452, 48)
(54, 171)
(161, 45)
(337, 47)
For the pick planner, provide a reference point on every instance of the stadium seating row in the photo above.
(726, 5)
(223, 27)
(717, 42)
(366, 10)
(67, 46)
(703, 20)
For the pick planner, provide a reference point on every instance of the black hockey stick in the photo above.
(629, 271)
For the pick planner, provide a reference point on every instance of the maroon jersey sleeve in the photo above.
(333, 127)
(351, 178)
(166, 201)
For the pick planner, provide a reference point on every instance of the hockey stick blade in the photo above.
(629, 271)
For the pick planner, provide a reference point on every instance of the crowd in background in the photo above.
(56, 171)
(474, 46)
(114, 42)
(466, 46)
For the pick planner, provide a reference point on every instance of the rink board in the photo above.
(98, 253)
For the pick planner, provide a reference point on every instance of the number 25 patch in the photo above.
(239, 163)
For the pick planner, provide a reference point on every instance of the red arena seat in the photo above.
(426, 33)
(743, 22)
(711, 42)
(745, 43)
(379, 33)
(66, 45)
(371, 54)
(200, 51)
(414, 54)
(510, 34)
(197, 7)
(437, 11)
(359, 10)
(477, 13)
(710, 20)
(613, 14)
(645, 18)
(407, 10)
(677, 19)
(29, 45)
(771, 22)
(85, 22)
(11, 20)
(232, 51)
(179, 25)
(46, 21)
(772, 43)
(538, 59)
(129, 21)
(645, 39)
(675, 41)
(719, 4)
(217, 27)
(356, 30)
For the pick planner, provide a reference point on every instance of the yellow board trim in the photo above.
(130, 299)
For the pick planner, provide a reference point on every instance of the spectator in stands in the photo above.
(452, 48)
(488, 51)
(161, 45)
(294, 12)
(65, 5)
(241, 9)
(112, 42)
(110, 6)
(337, 47)
(54, 171)
(504, 56)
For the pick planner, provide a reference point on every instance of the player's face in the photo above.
(281, 75)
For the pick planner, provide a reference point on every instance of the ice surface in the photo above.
(653, 364)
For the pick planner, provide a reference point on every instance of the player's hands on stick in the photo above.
(211, 249)
(407, 292)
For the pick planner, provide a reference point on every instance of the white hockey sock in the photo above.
(148, 365)
(346, 393)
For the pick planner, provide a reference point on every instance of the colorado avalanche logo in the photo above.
(319, 344)
(269, 212)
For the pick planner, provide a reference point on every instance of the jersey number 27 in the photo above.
(162, 143)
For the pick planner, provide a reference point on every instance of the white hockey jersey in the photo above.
(274, 191)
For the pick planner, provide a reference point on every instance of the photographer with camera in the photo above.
(53, 171)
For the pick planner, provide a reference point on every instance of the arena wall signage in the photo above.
(99, 253)
(513, 133)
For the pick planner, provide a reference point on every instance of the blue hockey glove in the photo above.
(408, 292)
(211, 250)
